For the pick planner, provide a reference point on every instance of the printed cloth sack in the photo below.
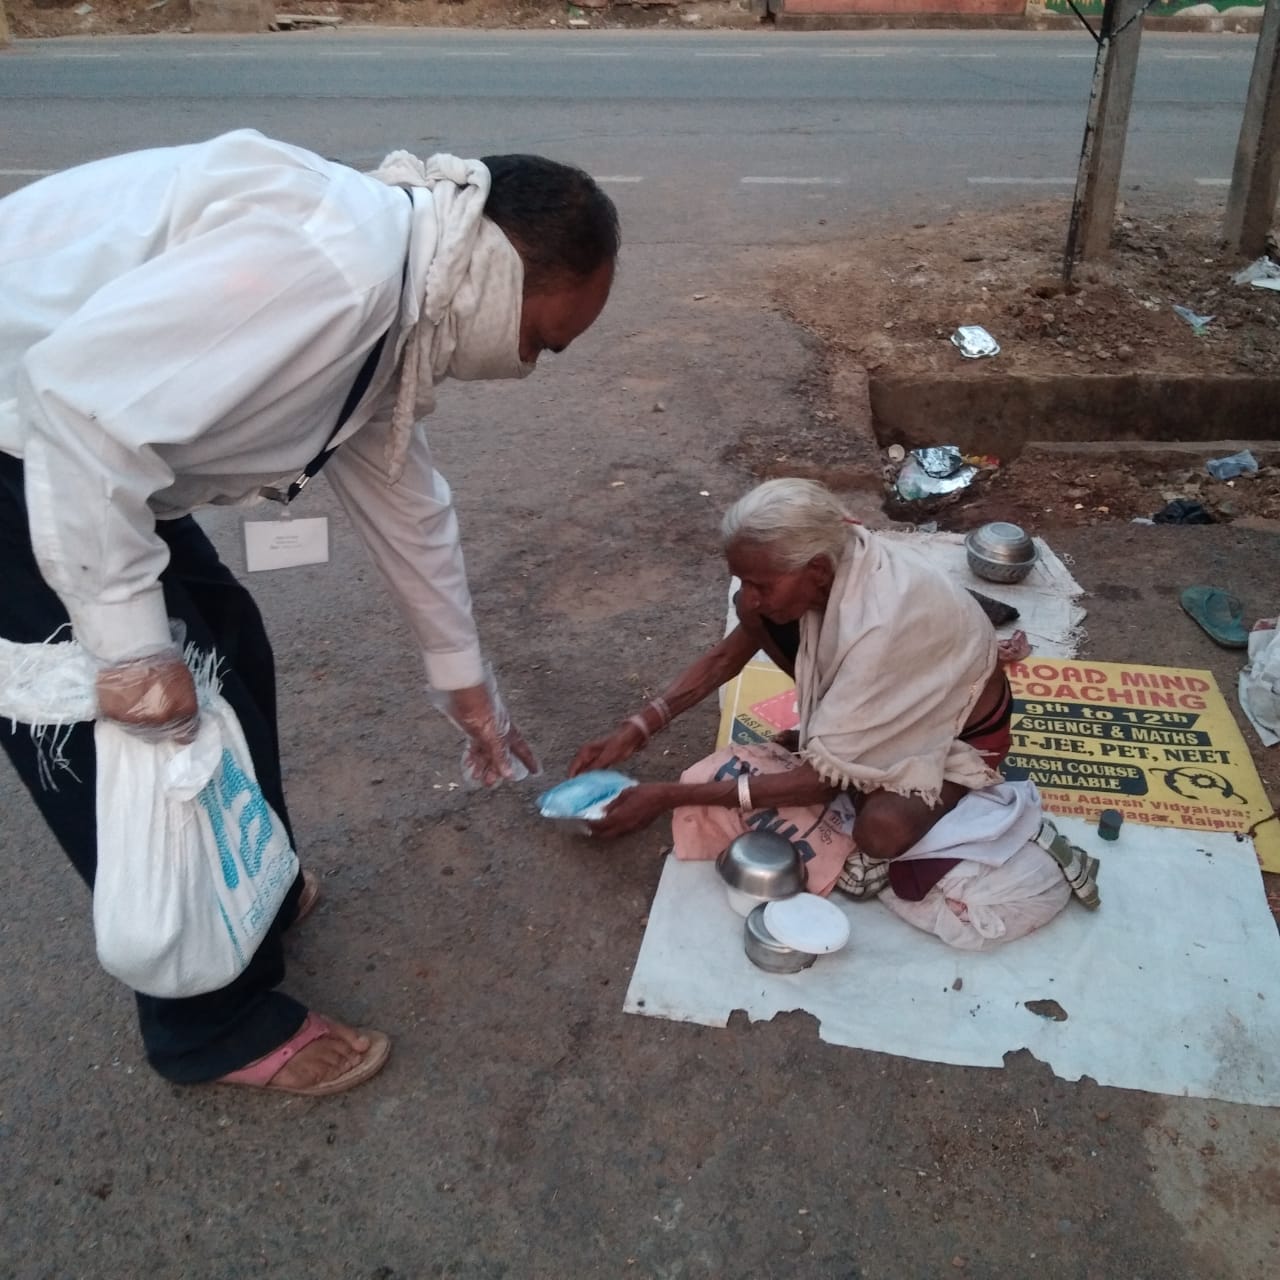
(822, 834)
(193, 864)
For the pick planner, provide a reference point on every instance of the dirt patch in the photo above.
(30, 19)
(1040, 489)
(892, 298)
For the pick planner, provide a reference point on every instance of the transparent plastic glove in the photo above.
(496, 749)
(153, 697)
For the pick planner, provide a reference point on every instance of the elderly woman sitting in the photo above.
(904, 712)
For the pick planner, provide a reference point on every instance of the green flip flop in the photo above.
(1219, 613)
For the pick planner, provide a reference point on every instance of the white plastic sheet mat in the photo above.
(1173, 986)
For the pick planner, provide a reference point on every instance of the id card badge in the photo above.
(285, 543)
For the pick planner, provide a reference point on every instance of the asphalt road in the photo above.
(525, 1127)
(707, 137)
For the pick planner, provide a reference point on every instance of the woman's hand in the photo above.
(620, 745)
(632, 811)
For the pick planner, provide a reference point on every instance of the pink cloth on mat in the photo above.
(819, 832)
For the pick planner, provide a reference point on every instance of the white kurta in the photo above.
(179, 328)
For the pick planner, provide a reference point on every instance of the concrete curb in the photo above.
(1247, 24)
(988, 411)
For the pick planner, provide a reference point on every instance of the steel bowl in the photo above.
(1000, 540)
(1000, 552)
(763, 865)
(766, 952)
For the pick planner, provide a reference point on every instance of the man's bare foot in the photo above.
(324, 1056)
(323, 1060)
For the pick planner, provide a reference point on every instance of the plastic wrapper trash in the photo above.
(1233, 465)
(1199, 324)
(584, 799)
(1261, 273)
(934, 472)
(973, 342)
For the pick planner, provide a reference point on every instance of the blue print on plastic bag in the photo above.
(254, 819)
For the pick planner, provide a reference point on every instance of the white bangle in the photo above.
(663, 708)
(640, 724)
(744, 791)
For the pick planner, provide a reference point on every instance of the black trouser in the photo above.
(202, 1037)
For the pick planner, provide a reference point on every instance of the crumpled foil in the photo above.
(932, 472)
(974, 341)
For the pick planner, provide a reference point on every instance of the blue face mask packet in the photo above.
(586, 797)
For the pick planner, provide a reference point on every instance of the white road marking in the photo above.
(855, 53)
(1213, 182)
(798, 182)
(474, 53)
(87, 55)
(1192, 57)
(595, 53)
(1023, 182)
(620, 177)
(349, 53)
(26, 173)
(945, 53)
(1090, 56)
(729, 54)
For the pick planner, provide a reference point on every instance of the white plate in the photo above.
(807, 923)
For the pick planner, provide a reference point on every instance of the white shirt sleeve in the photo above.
(411, 531)
(167, 353)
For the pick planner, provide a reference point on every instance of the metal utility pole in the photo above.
(1102, 153)
(1252, 201)
(4, 27)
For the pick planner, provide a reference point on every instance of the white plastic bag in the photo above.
(1260, 681)
(193, 864)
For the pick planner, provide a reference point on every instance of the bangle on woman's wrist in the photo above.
(641, 722)
(744, 791)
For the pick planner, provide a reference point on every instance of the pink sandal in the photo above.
(260, 1074)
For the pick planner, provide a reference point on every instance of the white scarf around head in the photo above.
(463, 293)
(888, 674)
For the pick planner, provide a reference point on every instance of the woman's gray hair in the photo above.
(796, 519)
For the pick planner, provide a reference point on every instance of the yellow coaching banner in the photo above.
(1158, 744)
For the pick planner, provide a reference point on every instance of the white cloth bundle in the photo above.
(1005, 885)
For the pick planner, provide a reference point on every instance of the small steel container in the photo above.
(766, 952)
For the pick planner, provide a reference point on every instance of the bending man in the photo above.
(202, 325)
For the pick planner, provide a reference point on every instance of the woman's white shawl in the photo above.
(889, 673)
